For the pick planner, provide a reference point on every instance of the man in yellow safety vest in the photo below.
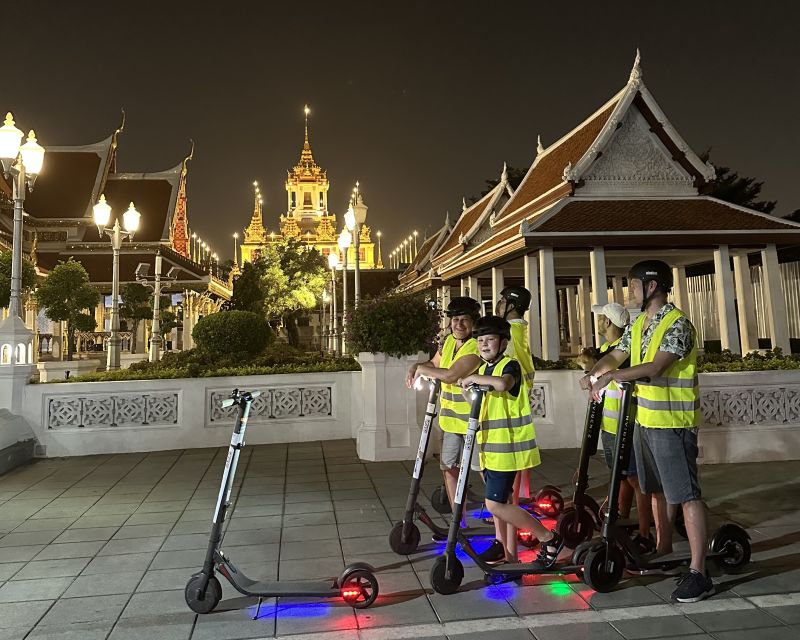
(662, 346)
(456, 358)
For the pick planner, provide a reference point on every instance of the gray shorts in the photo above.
(609, 444)
(666, 460)
(452, 446)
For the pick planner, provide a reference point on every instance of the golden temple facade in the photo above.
(307, 217)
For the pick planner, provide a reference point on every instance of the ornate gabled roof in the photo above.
(307, 169)
(473, 217)
(421, 268)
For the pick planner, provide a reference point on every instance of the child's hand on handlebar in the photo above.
(466, 383)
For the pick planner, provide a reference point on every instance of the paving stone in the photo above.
(114, 564)
(307, 616)
(789, 614)
(9, 569)
(164, 579)
(44, 524)
(91, 522)
(99, 584)
(176, 626)
(237, 623)
(52, 568)
(187, 541)
(70, 550)
(156, 603)
(77, 631)
(659, 627)
(132, 545)
(310, 569)
(86, 535)
(627, 594)
(769, 633)
(90, 609)
(26, 590)
(23, 614)
(728, 620)
(581, 631)
(311, 549)
(498, 634)
(142, 531)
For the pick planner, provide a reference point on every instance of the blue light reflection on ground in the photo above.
(292, 610)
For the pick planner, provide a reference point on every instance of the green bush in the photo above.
(552, 365)
(770, 360)
(233, 332)
(394, 324)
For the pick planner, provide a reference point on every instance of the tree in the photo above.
(28, 277)
(65, 295)
(247, 293)
(293, 284)
(135, 307)
(515, 177)
(731, 187)
(167, 320)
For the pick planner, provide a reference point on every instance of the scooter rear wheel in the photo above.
(211, 598)
(603, 567)
(439, 500)
(359, 587)
(733, 543)
(549, 501)
(575, 526)
(440, 581)
(396, 539)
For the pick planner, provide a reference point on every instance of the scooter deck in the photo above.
(250, 587)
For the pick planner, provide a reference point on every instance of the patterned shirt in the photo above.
(678, 339)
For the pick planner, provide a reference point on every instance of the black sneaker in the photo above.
(548, 553)
(693, 587)
(493, 553)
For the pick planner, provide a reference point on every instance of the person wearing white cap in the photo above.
(612, 318)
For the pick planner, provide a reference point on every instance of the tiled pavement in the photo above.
(100, 547)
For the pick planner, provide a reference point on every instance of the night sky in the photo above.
(420, 104)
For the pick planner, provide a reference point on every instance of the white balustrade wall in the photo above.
(749, 416)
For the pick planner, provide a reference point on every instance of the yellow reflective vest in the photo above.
(453, 407)
(611, 397)
(673, 399)
(507, 438)
(519, 349)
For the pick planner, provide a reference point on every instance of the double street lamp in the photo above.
(23, 162)
(156, 338)
(102, 216)
(345, 239)
(356, 216)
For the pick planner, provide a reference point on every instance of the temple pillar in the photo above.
(498, 282)
(473, 290)
(723, 283)
(445, 301)
(597, 263)
(680, 290)
(531, 268)
(585, 312)
(464, 286)
(774, 302)
(616, 286)
(745, 299)
(549, 305)
(572, 319)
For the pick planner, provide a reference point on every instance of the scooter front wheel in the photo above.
(603, 567)
(731, 546)
(396, 542)
(575, 525)
(206, 602)
(439, 500)
(440, 581)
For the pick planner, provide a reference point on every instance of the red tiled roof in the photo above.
(64, 186)
(548, 172)
(690, 214)
(467, 220)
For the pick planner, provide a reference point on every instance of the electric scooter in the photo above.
(357, 584)
(404, 537)
(608, 557)
(447, 572)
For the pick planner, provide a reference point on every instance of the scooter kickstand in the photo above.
(258, 608)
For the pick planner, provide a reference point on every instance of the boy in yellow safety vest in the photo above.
(507, 440)
(662, 346)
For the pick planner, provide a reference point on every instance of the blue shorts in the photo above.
(499, 484)
(609, 444)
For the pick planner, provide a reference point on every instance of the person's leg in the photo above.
(524, 489)
(519, 518)
(650, 484)
(663, 524)
(450, 458)
(694, 515)
(644, 510)
(626, 498)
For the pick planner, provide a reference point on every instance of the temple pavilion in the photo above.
(622, 186)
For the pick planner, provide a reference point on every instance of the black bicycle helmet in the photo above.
(651, 270)
(464, 306)
(492, 326)
(519, 297)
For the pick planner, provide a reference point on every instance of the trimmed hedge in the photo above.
(240, 332)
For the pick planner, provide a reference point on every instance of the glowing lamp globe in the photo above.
(130, 219)
(32, 154)
(10, 138)
(101, 212)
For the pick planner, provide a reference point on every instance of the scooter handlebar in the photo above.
(486, 388)
(238, 395)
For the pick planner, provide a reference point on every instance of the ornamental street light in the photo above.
(344, 244)
(379, 261)
(156, 339)
(415, 244)
(235, 248)
(22, 163)
(130, 219)
(357, 215)
(333, 262)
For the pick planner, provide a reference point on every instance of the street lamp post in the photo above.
(333, 262)
(156, 339)
(323, 329)
(415, 244)
(23, 163)
(355, 217)
(102, 216)
(235, 248)
(344, 244)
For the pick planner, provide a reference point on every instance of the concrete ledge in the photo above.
(57, 369)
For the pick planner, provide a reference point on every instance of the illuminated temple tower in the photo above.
(307, 217)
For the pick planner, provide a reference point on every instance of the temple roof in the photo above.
(419, 273)
(307, 169)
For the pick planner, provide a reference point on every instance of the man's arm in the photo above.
(654, 369)
(609, 362)
(461, 368)
(412, 370)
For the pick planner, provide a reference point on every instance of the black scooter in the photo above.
(404, 538)
(357, 585)
(447, 572)
(607, 558)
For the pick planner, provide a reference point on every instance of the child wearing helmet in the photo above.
(507, 440)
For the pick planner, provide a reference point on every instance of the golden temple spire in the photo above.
(306, 157)
(255, 231)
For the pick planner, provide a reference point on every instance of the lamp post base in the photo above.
(114, 344)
